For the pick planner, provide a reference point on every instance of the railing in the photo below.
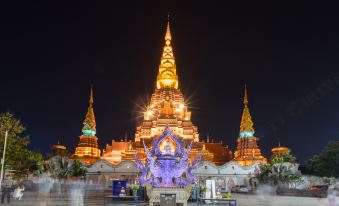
(222, 201)
(121, 200)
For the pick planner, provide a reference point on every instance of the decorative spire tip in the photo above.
(91, 101)
(245, 96)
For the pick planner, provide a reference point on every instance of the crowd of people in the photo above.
(8, 190)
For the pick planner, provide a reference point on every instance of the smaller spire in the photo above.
(208, 137)
(126, 137)
(246, 125)
(89, 127)
(245, 97)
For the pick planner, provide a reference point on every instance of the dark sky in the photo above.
(51, 51)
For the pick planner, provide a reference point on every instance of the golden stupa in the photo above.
(167, 108)
(248, 151)
(87, 149)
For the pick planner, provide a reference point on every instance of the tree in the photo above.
(18, 157)
(281, 169)
(78, 169)
(326, 164)
(284, 157)
(61, 167)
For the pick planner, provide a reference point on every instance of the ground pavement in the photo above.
(96, 199)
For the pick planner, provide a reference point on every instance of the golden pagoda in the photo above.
(87, 149)
(247, 151)
(167, 108)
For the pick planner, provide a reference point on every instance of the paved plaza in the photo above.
(96, 199)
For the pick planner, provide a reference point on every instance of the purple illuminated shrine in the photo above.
(167, 162)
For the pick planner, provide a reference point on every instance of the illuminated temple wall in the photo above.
(227, 175)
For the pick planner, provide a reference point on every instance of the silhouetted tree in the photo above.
(326, 164)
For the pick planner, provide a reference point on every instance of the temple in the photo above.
(247, 151)
(166, 142)
(87, 149)
(167, 108)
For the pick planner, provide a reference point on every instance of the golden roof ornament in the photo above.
(245, 97)
(91, 101)
(246, 125)
(167, 76)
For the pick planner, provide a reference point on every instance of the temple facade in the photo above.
(248, 151)
(87, 150)
(167, 108)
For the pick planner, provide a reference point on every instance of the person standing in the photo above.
(6, 189)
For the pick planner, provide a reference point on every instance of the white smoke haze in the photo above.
(77, 192)
(332, 199)
(45, 184)
(264, 193)
(70, 192)
(266, 196)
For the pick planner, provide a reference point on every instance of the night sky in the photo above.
(287, 54)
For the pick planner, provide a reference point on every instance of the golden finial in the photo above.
(245, 97)
(91, 101)
(168, 36)
(167, 76)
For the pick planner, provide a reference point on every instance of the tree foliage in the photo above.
(280, 173)
(281, 158)
(78, 169)
(281, 169)
(18, 157)
(326, 164)
(61, 167)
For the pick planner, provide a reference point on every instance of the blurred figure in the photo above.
(6, 189)
(77, 192)
(45, 185)
(18, 192)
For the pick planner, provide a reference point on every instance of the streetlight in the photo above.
(3, 159)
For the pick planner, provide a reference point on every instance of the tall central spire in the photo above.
(246, 125)
(89, 122)
(167, 76)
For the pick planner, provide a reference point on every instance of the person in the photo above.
(77, 192)
(18, 192)
(45, 186)
(6, 189)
